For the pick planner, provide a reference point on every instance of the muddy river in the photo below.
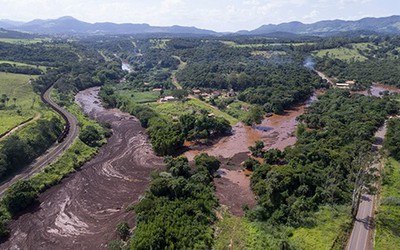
(82, 212)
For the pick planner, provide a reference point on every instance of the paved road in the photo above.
(362, 231)
(361, 236)
(51, 154)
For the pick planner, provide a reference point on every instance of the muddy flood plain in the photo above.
(83, 210)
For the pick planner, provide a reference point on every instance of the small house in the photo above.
(167, 99)
(345, 85)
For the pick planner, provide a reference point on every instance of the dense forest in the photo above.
(334, 142)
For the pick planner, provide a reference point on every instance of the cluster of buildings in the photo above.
(213, 94)
(345, 85)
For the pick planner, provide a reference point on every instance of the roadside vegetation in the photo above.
(388, 218)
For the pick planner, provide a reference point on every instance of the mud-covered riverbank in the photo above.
(278, 131)
(82, 212)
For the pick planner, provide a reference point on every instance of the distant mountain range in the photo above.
(69, 25)
(381, 25)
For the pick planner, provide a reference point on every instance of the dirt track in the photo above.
(82, 212)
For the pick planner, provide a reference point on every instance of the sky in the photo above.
(218, 15)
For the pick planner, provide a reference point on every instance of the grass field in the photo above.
(22, 41)
(387, 235)
(267, 54)
(238, 233)
(24, 64)
(17, 86)
(235, 109)
(159, 43)
(175, 109)
(344, 54)
(138, 96)
(331, 222)
(260, 45)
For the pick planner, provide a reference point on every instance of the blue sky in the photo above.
(219, 15)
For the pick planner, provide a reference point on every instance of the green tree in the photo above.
(90, 136)
(19, 196)
(254, 116)
(210, 162)
(123, 230)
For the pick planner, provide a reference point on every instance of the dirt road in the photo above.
(51, 154)
(82, 212)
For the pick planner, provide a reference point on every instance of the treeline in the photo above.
(16, 151)
(76, 76)
(386, 71)
(52, 55)
(334, 141)
(27, 70)
(178, 210)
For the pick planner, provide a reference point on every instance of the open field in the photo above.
(267, 54)
(26, 102)
(23, 64)
(260, 45)
(238, 109)
(159, 43)
(138, 96)
(175, 109)
(237, 233)
(22, 41)
(240, 233)
(331, 223)
(345, 54)
(387, 235)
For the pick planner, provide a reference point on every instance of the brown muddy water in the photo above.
(278, 131)
(82, 212)
(377, 89)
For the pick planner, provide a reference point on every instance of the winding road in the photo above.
(51, 154)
